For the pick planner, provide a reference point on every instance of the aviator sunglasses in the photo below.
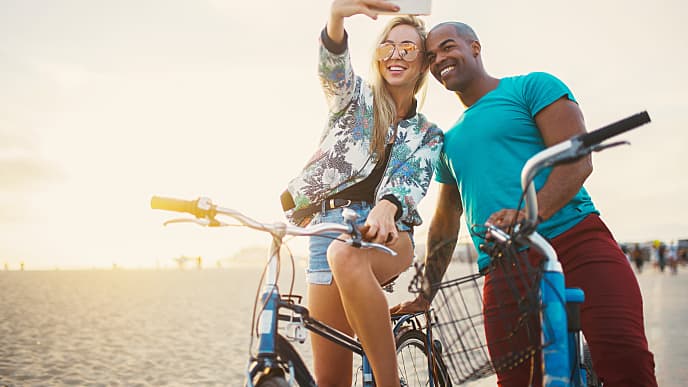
(407, 51)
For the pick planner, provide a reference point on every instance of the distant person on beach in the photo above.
(375, 157)
(661, 256)
(637, 257)
(505, 122)
(672, 257)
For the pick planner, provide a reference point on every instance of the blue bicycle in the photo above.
(539, 314)
(279, 319)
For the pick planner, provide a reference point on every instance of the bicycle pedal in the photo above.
(296, 332)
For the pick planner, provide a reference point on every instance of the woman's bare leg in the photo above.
(359, 274)
(329, 359)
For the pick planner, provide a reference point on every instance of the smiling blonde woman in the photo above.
(376, 156)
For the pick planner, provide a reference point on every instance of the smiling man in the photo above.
(506, 121)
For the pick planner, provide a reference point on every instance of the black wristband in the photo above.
(335, 48)
(393, 199)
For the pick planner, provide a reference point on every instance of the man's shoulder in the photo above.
(534, 76)
(540, 87)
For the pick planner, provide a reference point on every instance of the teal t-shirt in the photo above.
(487, 147)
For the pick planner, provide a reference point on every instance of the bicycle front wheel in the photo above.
(273, 381)
(412, 359)
(290, 358)
(287, 366)
(590, 375)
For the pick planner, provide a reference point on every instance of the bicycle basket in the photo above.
(509, 316)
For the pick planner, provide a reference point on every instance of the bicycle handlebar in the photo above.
(616, 128)
(570, 150)
(203, 208)
(566, 151)
(192, 207)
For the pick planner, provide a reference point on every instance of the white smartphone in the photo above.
(410, 7)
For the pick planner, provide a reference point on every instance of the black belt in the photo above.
(327, 204)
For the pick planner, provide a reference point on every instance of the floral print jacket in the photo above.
(343, 157)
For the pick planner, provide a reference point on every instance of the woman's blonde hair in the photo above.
(384, 109)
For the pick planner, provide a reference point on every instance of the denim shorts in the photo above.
(318, 271)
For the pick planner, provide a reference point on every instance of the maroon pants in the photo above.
(611, 316)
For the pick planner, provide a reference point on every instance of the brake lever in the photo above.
(205, 222)
(379, 247)
(577, 151)
(601, 147)
(370, 245)
(201, 222)
(497, 233)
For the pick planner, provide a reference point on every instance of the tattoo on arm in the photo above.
(436, 263)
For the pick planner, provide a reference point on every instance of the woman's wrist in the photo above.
(335, 29)
(397, 204)
(331, 44)
(386, 208)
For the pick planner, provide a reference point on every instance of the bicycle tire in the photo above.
(441, 372)
(412, 359)
(272, 381)
(286, 353)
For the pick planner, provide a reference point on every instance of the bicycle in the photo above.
(277, 363)
(546, 312)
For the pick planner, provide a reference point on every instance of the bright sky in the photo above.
(103, 104)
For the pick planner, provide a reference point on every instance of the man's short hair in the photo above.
(463, 30)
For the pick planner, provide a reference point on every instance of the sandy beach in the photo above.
(172, 327)
(125, 327)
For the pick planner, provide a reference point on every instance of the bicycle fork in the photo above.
(560, 321)
(266, 328)
(556, 367)
(574, 298)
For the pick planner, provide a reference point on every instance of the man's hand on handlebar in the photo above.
(420, 304)
(505, 219)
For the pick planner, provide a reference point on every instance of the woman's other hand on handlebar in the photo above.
(380, 226)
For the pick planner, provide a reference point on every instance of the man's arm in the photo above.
(559, 122)
(443, 234)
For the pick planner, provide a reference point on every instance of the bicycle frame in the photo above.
(269, 320)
